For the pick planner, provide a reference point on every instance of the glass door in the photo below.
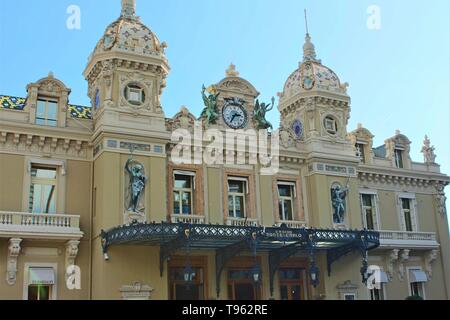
(241, 285)
(292, 284)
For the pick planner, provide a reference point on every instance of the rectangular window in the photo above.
(236, 198)
(43, 190)
(398, 155)
(47, 113)
(183, 194)
(407, 215)
(368, 210)
(286, 194)
(416, 289)
(360, 152)
(40, 283)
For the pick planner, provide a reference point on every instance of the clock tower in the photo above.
(235, 101)
(126, 76)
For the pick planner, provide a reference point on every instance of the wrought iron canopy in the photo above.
(228, 241)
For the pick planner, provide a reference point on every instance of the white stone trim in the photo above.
(61, 172)
(11, 261)
(27, 266)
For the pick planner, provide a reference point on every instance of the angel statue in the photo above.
(338, 195)
(137, 184)
(259, 114)
(210, 105)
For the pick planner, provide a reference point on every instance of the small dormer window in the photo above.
(360, 152)
(135, 94)
(398, 157)
(47, 113)
(330, 125)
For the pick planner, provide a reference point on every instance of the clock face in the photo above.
(234, 115)
(297, 127)
(308, 83)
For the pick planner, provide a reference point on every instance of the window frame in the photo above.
(361, 149)
(61, 172)
(43, 182)
(421, 284)
(330, 124)
(234, 195)
(139, 90)
(398, 157)
(292, 199)
(375, 208)
(46, 117)
(412, 210)
(190, 190)
(26, 280)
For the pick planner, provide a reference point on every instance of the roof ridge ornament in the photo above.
(231, 71)
(128, 9)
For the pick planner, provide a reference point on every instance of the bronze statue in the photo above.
(338, 195)
(259, 114)
(210, 105)
(137, 183)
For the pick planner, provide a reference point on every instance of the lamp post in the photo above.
(364, 269)
(256, 271)
(188, 272)
(313, 269)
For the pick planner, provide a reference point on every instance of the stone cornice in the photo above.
(326, 98)
(45, 144)
(401, 176)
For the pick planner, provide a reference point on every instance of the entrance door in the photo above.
(182, 290)
(241, 285)
(292, 284)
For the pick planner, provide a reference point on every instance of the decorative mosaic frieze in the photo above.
(332, 169)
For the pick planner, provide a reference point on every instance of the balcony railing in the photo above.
(242, 222)
(408, 239)
(189, 219)
(292, 224)
(22, 224)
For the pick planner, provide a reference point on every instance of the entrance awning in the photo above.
(42, 276)
(228, 241)
(417, 276)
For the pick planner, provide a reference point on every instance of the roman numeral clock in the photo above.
(234, 113)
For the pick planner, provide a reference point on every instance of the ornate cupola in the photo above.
(126, 74)
(314, 104)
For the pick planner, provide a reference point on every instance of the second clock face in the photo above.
(234, 116)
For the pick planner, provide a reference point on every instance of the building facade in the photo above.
(94, 206)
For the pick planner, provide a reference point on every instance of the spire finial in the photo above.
(306, 23)
(309, 51)
(128, 8)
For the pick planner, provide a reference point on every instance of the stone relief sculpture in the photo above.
(137, 181)
(338, 196)
(441, 199)
(428, 151)
(210, 101)
(259, 114)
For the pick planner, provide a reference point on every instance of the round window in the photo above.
(134, 94)
(330, 125)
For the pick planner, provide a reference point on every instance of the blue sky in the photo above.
(399, 75)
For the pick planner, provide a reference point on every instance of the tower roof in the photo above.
(311, 75)
(129, 34)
